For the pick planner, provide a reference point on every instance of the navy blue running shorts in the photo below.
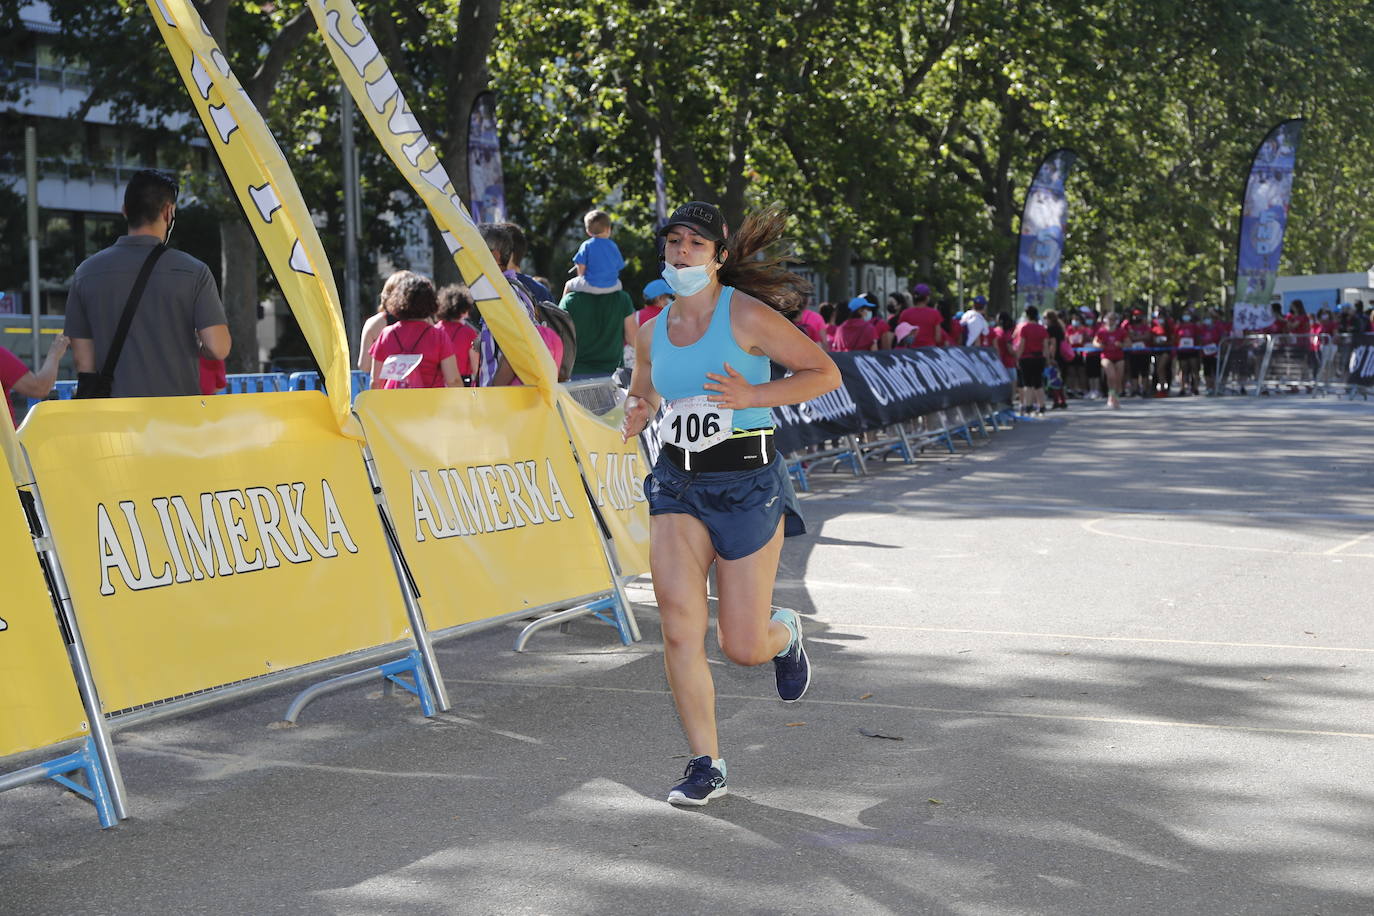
(740, 509)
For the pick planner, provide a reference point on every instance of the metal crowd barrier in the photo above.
(311, 381)
(905, 440)
(1272, 363)
(254, 382)
(242, 383)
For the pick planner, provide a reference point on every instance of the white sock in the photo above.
(719, 764)
(785, 621)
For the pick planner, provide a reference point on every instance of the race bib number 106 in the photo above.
(693, 424)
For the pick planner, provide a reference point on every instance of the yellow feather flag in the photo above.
(373, 86)
(9, 447)
(271, 201)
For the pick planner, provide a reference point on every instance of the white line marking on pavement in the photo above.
(1350, 543)
(141, 745)
(899, 506)
(841, 624)
(867, 704)
(1090, 526)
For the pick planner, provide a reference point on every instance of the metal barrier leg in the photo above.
(603, 604)
(84, 760)
(856, 457)
(908, 457)
(412, 664)
(626, 623)
(81, 666)
(410, 592)
(978, 418)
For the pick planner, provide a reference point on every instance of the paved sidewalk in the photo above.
(1129, 657)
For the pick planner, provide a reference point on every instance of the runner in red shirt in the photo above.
(1321, 342)
(1112, 337)
(1209, 338)
(1163, 340)
(1033, 347)
(1138, 354)
(1188, 334)
(1078, 335)
(1001, 340)
(1297, 321)
(1278, 323)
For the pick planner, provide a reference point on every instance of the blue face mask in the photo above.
(686, 280)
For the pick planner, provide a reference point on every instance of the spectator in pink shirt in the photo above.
(455, 304)
(413, 352)
(813, 326)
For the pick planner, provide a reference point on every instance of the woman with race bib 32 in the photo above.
(719, 492)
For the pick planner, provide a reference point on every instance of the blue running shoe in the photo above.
(703, 782)
(792, 667)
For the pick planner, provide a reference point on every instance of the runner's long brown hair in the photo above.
(762, 273)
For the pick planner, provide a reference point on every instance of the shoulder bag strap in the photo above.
(127, 319)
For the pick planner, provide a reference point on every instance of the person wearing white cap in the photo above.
(975, 322)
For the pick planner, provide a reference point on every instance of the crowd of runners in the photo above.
(1075, 353)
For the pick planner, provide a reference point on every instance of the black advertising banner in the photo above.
(887, 386)
(1362, 362)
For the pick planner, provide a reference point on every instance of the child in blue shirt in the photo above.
(599, 260)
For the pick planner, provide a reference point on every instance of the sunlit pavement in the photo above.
(1112, 662)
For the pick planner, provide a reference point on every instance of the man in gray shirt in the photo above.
(179, 318)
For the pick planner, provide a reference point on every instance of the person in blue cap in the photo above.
(719, 494)
(657, 295)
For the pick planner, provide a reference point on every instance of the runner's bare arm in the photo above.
(763, 330)
(642, 401)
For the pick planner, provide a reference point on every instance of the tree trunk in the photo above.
(1106, 294)
(467, 78)
(239, 273)
(924, 243)
(1006, 244)
(837, 276)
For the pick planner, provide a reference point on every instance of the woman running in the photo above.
(1189, 334)
(719, 492)
(1109, 338)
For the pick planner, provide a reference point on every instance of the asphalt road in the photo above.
(1129, 658)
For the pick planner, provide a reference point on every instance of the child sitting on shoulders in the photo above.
(599, 260)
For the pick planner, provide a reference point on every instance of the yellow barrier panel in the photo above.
(615, 475)
(39, 704)
(265, 188)
(486, 498)
(210, 540)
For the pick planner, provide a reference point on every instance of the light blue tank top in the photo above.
(680, 372)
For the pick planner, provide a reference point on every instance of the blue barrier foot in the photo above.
(96, 791)
(417, 685)
(411, 664)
